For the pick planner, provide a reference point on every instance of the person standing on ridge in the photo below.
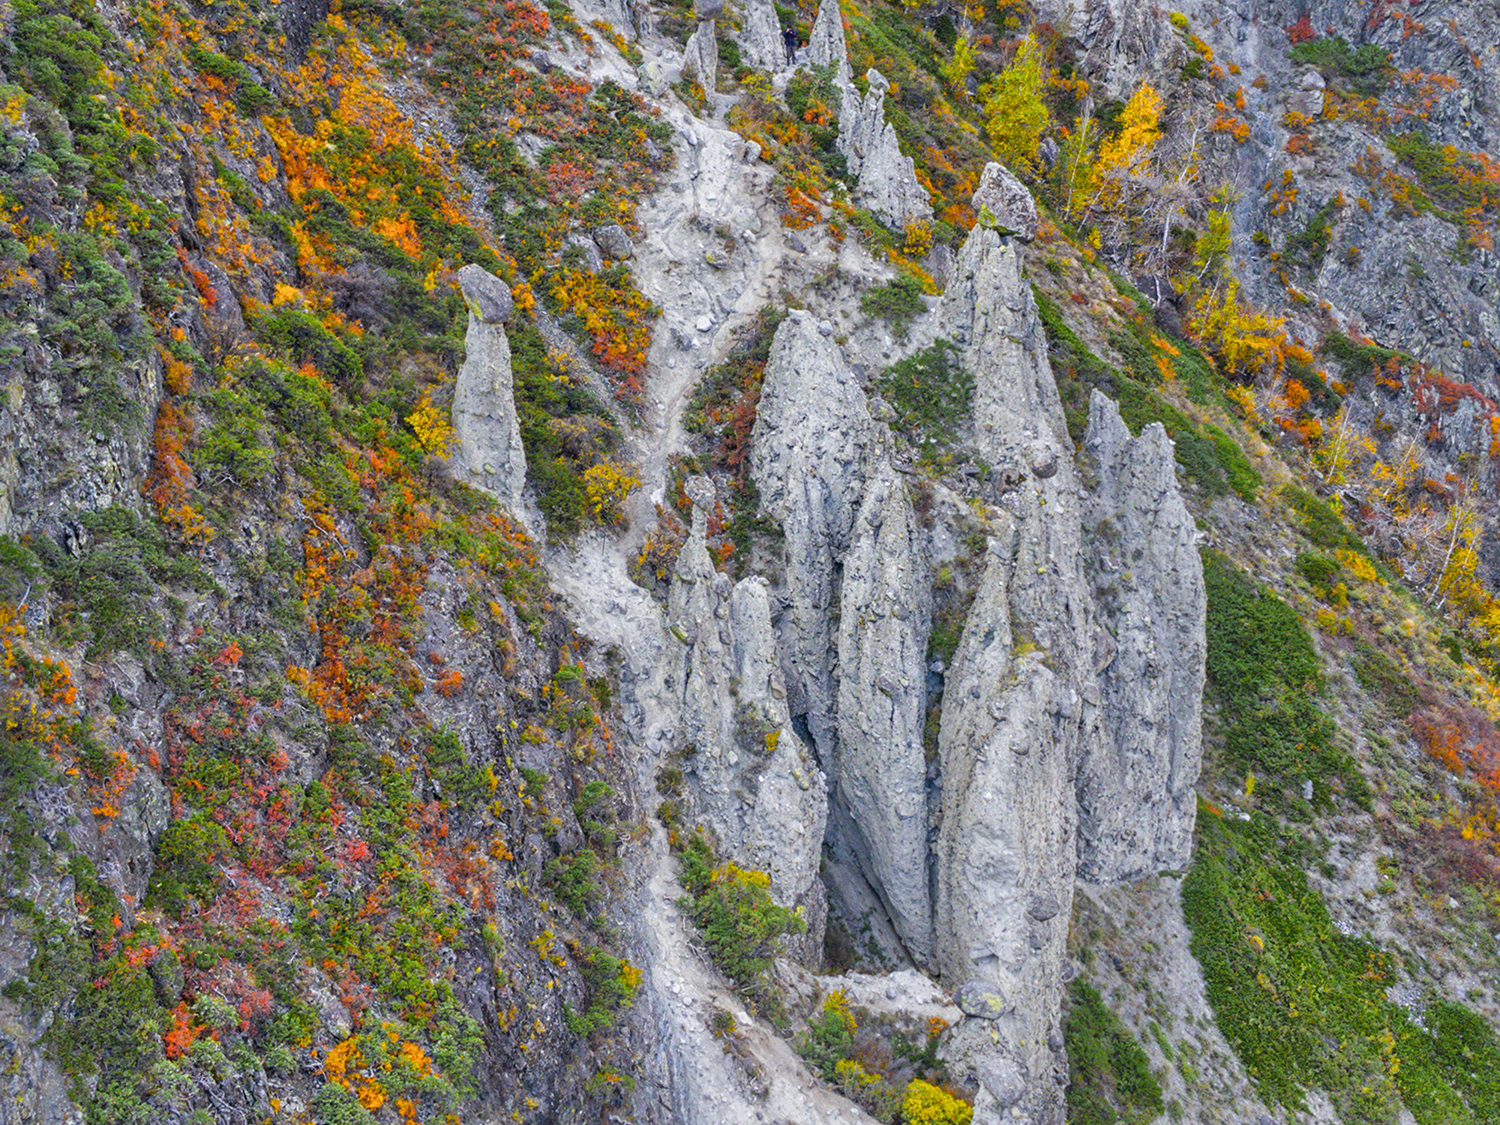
(789, 38)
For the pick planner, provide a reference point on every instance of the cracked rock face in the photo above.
(884, 622)
(760, 41)
(700, 57)
(1004, 204)
(1021, 701)
(888, 183)
(808, 458)
(750, 779)
(825, 44)
(490, 456)
(1135, 787)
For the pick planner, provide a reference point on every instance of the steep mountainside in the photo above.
(570, 562)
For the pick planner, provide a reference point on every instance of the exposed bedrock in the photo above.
(1135, 786)
(809, 454)
(825, 43)
(888, 183)
(760, 39)
(884, 620)
(490, 455)
(749, 778)
(1021, 699)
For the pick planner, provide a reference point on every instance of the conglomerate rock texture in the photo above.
(884, 620)
(812, 439)
(1136, 795)
(490, 454)
(750, 779)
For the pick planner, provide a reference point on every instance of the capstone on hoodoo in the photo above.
(490, 455)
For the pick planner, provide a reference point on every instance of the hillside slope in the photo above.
(1022, 639)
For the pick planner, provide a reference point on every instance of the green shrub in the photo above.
(1305, 1006)
(612, 984)
(571, 878)
(1109, 1076)
(187, 856)
(1319, 571)
(741, 923)
(1367, 68)
(1266, 677)
(334, 1105)
(933, 397)
(898, 304)
(830, 1037)
(1321, 523)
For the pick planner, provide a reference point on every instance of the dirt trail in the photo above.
(711, 255)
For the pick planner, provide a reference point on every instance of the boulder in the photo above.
(614, 241)
(487, 297)
(981, 999)
(1004, 204)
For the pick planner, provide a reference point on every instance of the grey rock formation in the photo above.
(614, 241)
(808, 456)
(584, 251)
(1021, 700)
(888, 183)
(487, 297)
(826, 46)
(760, 36)
(884, 622)
(750, 779)
(1135, 786)
(1003, 203)
(490, 455)
(700, 57)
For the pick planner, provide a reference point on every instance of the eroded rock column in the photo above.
(881, 787)
(750, 780)
(1021, 699)
(490, 455)
(809, 450)
(1136, 799)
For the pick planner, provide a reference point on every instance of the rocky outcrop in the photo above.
(1020, 702)
(760, 41)
(1135, 785)
(749, 778)
(884, 619)
(1004, 204)
(808, 457)
(826, 46)
(490, 455)
(888, 182)
(700, 57)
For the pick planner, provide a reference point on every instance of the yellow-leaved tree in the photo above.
(1140, 128)
(1015, 117)
(607, 486)
(432, 427)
